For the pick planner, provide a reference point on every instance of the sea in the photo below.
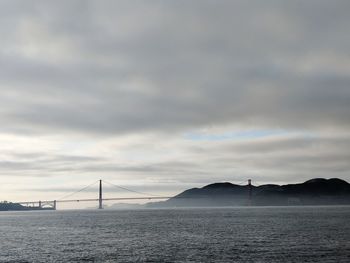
(233, 234)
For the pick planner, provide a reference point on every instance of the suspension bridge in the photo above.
(52, 204)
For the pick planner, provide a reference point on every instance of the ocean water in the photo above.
(261, 234)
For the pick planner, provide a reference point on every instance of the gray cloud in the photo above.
(91, 73)
(118, 67)
(287, 158)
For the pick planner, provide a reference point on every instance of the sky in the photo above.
(162, 96)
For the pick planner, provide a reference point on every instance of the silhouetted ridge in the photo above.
(315, 181)
(318, 186)
(317, 191)
(219, 185)
(7, 206)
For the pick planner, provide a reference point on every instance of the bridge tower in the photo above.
(100, 196)
(250, 191)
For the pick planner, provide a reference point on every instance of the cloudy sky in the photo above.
(160, 96)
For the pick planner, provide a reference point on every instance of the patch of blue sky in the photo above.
(239, 135)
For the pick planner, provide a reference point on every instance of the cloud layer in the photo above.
(111, 88)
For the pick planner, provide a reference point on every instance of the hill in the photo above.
(316, 191)
(8, 206)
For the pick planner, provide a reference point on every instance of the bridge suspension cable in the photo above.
(130, 190)
(82, 189)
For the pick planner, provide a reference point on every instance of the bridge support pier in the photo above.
(100, 206)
